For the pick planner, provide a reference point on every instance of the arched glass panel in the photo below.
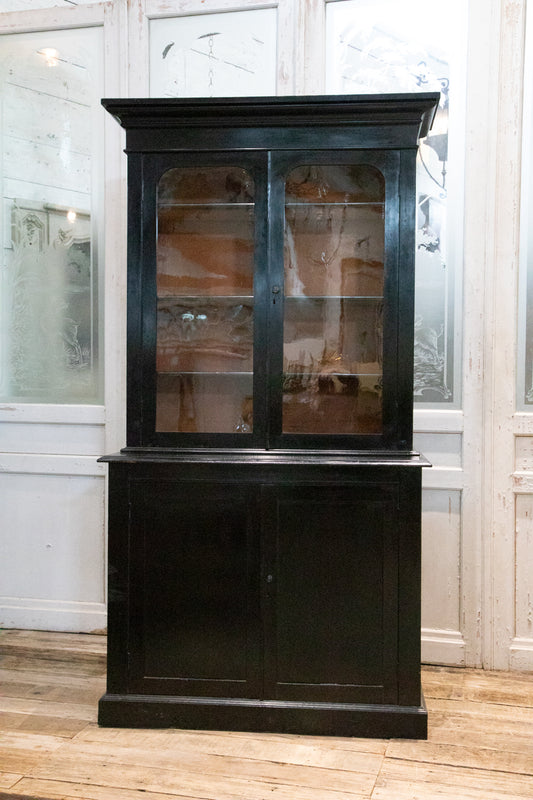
(205, 303)
(333, 308)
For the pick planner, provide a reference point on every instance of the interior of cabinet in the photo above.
(334, 282)
(205, 300)
(333, 286)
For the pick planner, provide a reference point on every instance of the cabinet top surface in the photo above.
(263, 458)
(371, 109)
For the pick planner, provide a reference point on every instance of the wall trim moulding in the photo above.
(37, 464)
(444, 478)
(51, 413)
(32, 21)
(57, 615)
(521, 654)
(443, 647)
(434, 420)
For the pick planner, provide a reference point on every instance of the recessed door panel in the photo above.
(331, 588)
(194, 588)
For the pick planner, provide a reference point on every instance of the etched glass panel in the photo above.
(51, 118)
(214, 55)
(380, 46)
(333, 310)
(205, 305)
(525, 296)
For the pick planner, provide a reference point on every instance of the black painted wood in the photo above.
(276, 583)
(268, 581)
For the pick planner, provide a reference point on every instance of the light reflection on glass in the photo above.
(333, 310)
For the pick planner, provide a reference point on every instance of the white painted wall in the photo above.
(478, 497)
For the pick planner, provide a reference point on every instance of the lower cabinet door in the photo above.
(194, 589)
(330, 593)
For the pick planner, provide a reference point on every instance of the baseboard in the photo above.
(443, 647)
(521, 655)
(52, 615)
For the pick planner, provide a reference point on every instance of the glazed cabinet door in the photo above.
(268, 311)
(335, 324)
(193, 589)
(331, 578)
(196, 358)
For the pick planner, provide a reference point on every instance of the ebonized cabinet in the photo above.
(264, 517)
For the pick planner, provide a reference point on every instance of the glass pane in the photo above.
(524, 400)
(205, 242)
(205, 306)
(195, 335)
(51, 122)
(333, 313)
(214, 55)
(204, 403)
(376, 46)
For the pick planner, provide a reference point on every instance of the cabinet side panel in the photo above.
(409, 589)
(118, 580)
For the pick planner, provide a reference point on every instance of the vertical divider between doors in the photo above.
(268, 548)
(276, 207)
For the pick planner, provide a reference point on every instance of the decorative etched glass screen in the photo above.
(380, 46)
(214, 55)
(205, 303)
(524, 400)
(333, 312)
(50, 315)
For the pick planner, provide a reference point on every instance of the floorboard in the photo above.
(479, 747)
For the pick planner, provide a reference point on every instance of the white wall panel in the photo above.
(442, 449)
(442, 639)
(524, 567)
(52, 550)
(58, 439)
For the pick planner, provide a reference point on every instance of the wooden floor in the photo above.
(480, 744)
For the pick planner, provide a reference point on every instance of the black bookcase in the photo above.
(264, 516)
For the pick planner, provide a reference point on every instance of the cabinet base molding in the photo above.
(312, 719)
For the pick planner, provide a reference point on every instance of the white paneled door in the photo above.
(52, 346)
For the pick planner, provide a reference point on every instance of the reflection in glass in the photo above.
(333, 312)
(204, 403)
(205, 307)
(195, 335)
(49, 313)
